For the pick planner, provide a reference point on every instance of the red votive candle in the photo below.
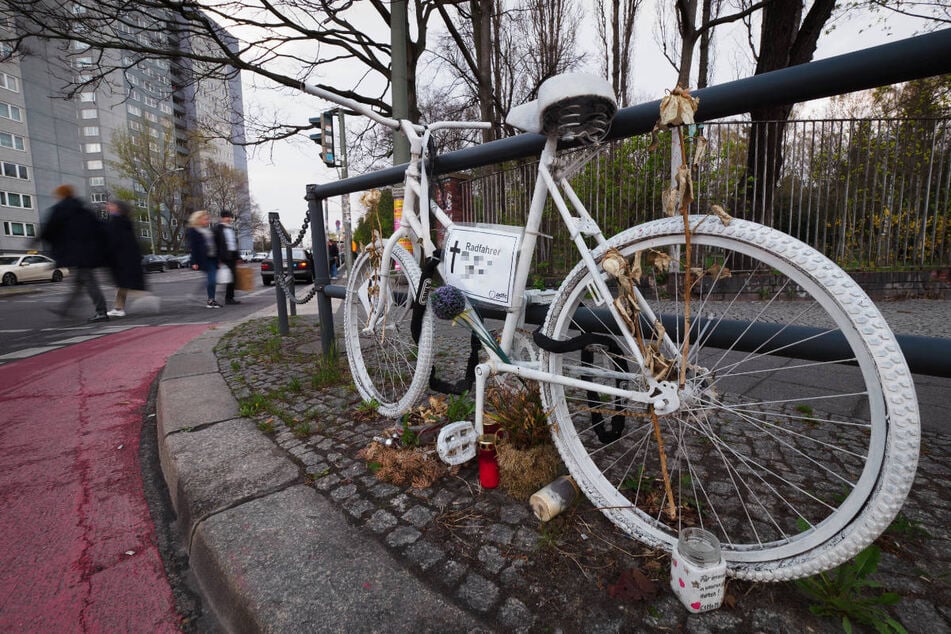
(488, 464)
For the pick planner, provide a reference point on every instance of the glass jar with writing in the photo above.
(698, 570)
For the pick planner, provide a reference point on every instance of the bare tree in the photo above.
(932, 15)
(223, 187)
(260, 230)
(148, 163)
(254, 223)
(690, 31)
(787, 38)
(282, 44)
(516, 47)
(615, 21)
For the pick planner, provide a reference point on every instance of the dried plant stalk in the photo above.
(405, 467)
(671, 505)
(524, 471)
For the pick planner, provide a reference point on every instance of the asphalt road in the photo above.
(29, 327)
(79, 550)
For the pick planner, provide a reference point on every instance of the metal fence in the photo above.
(870, 194)
(913, 234)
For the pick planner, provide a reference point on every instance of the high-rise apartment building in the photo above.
(47, 139)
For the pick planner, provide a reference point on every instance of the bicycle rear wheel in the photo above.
(796, 438)
(388, 367)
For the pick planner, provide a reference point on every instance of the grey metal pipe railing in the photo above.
(925, 355)
(318, 238)
(278, 260)
(912, 58)
(906, 60)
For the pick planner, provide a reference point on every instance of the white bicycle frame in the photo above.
(661, 394)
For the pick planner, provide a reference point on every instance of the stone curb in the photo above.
(273, 556)
(268, 552)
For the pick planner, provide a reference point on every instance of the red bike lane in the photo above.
(78, 550)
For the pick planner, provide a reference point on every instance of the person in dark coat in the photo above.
(226, 242)
(333, 255)
(78, 241)
(204, 252)
(125, 257)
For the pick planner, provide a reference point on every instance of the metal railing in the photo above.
(914, 58)
(869, 194)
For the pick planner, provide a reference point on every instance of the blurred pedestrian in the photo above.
(78, 241)
(125, 257)
(201, 242)
(333, 254)
(227, 244)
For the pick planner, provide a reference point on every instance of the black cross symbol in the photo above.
(454, 250)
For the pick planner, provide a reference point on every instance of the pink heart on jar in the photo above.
(675, 563)
(682, 584)
(695, 605)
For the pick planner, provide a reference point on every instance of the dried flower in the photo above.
(721, 213)
(614, 263)
(448, 302)
(678, 107)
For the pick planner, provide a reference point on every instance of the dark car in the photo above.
(172, 262)
(303, 267)
(155, 263)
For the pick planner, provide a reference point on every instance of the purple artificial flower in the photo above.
(448, 302)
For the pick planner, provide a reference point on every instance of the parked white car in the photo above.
(15, 269)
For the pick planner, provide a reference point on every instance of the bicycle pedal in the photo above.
(456, 443)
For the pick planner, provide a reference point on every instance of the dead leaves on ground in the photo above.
(631, 586)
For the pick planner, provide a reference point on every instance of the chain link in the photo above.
(286, 237)
(281, 280)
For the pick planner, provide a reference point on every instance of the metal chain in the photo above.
(281, 280)
(286, 237)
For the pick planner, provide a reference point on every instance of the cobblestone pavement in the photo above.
(488, 553)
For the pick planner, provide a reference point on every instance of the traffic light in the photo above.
(316, 136)
(327, 138)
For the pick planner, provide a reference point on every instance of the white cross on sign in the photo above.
(480, 260)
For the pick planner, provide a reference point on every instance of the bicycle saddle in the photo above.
(571, 106)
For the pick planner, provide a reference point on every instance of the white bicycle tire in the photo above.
(894, 431)
(388, 386)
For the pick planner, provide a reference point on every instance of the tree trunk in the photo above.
(785, 40)
(687, 23)
(482, 11)
(705, 39)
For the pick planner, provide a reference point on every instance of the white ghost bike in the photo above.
(669, 362)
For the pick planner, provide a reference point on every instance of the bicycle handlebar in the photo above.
(470, 125)
(317, 91)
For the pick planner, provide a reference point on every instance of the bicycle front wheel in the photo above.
(796, 438)
(389, 368)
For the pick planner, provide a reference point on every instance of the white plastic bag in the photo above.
(224, 275)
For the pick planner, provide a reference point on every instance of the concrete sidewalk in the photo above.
(269, 552)
(275, 549)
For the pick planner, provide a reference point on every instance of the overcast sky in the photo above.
(279, 173)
